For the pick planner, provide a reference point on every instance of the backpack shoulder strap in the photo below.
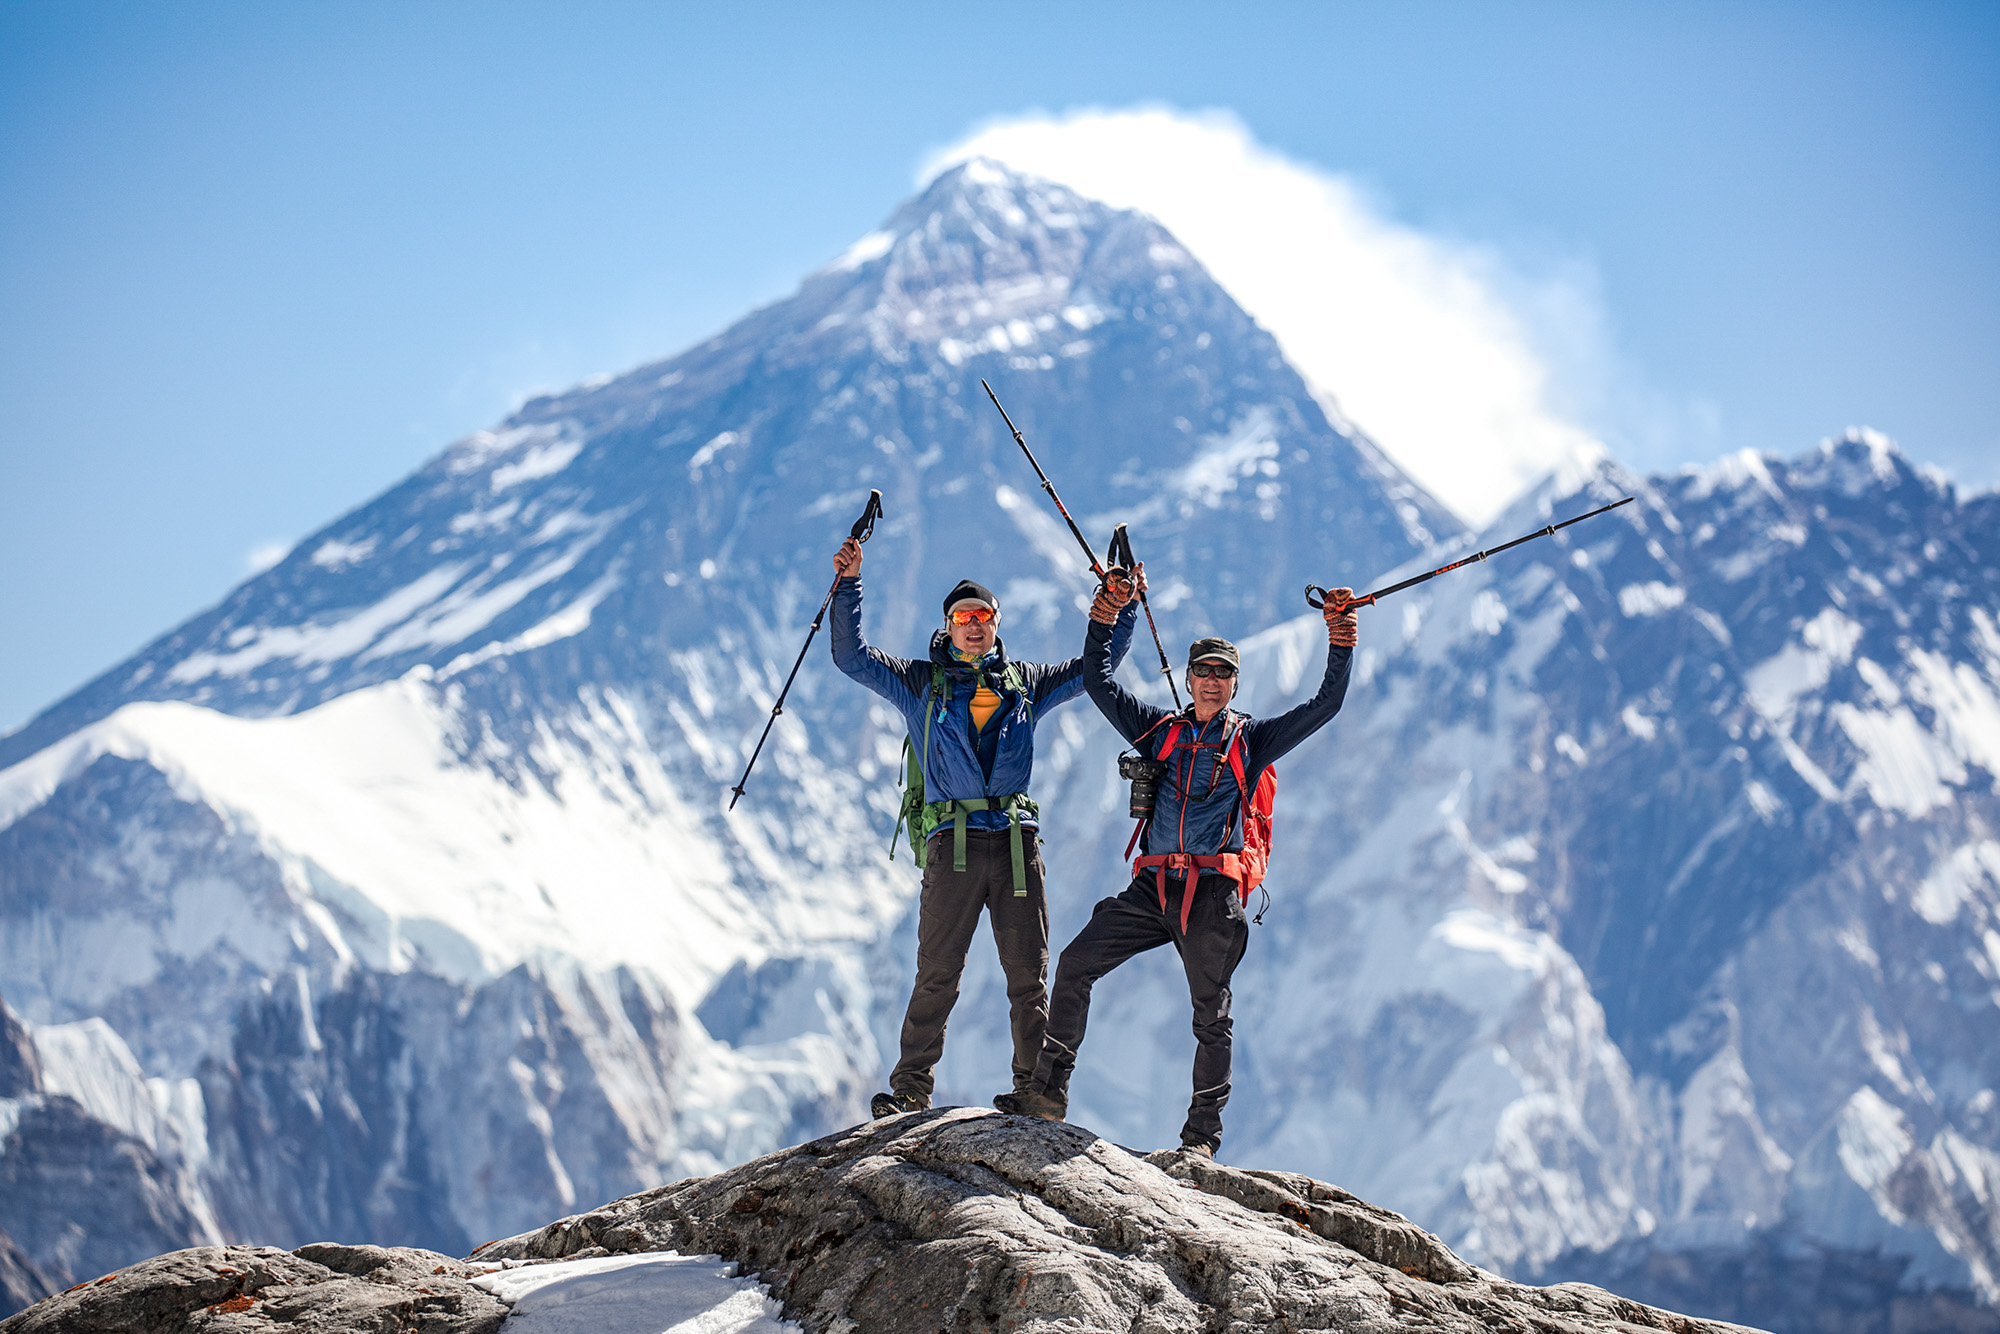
(940, 686)
(1233, 747)
(1015, 681)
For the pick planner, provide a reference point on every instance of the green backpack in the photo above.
(923, 817)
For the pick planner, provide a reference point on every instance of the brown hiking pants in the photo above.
(946, 918)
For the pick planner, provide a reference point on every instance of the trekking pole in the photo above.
(1117, 537)
(1368, 599)
(1120, 553)
(1047, 485)
(864, 528)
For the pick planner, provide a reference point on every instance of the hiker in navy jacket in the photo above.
(1184, 889)
(971, 715)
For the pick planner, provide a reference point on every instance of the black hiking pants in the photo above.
(1217, 934)
(946, 918)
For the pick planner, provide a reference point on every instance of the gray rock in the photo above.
(968, 1220)
(321, 1287)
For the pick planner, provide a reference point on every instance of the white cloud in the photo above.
(266, 554)
(1429, 345)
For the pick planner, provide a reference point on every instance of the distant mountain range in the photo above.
(1640, 905)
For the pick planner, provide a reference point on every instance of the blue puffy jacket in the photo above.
(953, 772)
(1196, 803)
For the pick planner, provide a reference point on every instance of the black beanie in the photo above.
(967, 589)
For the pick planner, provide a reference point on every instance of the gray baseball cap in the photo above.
(1213, 650)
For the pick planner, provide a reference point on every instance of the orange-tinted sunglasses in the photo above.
(972, 615)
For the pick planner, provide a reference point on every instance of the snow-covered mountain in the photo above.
(406, 870)
(1642, 900)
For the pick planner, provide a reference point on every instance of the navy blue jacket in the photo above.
(954, 771)
(1197, 801)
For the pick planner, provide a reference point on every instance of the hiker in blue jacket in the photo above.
(971, 715)
(1185, 884)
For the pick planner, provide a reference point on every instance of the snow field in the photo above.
(658, 1293)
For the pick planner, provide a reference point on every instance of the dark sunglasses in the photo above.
(1220, 670)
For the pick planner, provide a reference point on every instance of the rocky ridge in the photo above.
(962, 1219)
(323, 1286)
(956, 1219)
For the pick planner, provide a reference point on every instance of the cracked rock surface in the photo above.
(317, 1289)
(968, 1220)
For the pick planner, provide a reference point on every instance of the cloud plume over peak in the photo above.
(1422, 342)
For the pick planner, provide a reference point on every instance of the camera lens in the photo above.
(1144, 775)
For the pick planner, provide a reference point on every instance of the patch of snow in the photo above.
(1763, 801)
(659, 1292)
(314, 643)
(1802, 765)
(1650, 599)
(1638, 724)
(1957, 881)
(89, 1062)
(1826, 641)
(544, 460)
(1875, 1138)
(571, 620)
(1227, 458)
(1719, 1100)
(1511, 945)
(471, 608)
(1903, 766)
(706, 454)
(474, 520)
(334, 554)
(1965, 704)
(864, 251)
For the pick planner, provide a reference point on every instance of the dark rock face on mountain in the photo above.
(82, 1196)
(322, 1289)
(968, 1220)
(1784, 1282)
(22, 1283)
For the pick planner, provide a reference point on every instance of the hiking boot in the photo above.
(1032, 1102)
(895, 1104)
(1199, 1151)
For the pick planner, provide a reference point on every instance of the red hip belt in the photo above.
(1221, 863)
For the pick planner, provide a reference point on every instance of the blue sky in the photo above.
(259, 261)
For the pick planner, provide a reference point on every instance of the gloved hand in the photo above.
(847, 560)
(1116, 592)
(1342, 627)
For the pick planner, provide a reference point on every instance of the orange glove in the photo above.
(1342, 628)
(1118, 589)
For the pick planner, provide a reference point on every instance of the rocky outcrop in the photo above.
(968, 1220)
(318, 1288)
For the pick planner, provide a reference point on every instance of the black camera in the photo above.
(1145, 778)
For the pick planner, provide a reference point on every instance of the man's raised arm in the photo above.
(1112, 617)
(881, 672)
(1269, 738)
